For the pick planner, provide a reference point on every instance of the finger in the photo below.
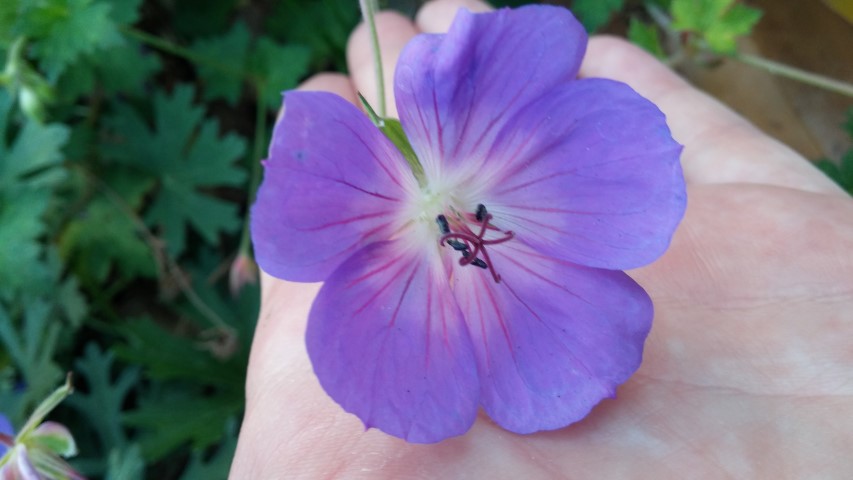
(720, 146)
(394, 31)
(331, 82)
(436, 16)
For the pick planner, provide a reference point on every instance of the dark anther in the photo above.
(441, 220)
(481, 212)
(457, 245)
(479, 263)
(472, 245)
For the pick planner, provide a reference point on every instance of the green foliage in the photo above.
(323, 27)
(842, 171)
(718, 22)
(594, 14)
(61, 30)
(184, 154)
(646, 36)
(271, 67)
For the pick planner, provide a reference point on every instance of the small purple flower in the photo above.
(493, 278)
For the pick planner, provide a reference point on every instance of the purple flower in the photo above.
(493, 278)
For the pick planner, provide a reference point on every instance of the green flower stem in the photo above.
(255, 178)
(368, 11)
(793, 73)
(45, 407)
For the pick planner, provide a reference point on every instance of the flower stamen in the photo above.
(471, 245)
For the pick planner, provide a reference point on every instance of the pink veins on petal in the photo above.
(496, 281)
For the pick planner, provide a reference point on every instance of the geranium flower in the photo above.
(36, 452)
(493, 277)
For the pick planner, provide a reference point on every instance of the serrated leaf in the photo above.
(34, 150)
(102, 399)
(219, 82)
(66, 29)
(277, 68)
(122, 68)
(718, 22)
(32, 347)
(185, 154)
(739, 20)
(21, 268)
(646, 36)
(594, 14)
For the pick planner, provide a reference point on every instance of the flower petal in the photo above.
(19, 466)
(590, 174)
(389, 345)
(6, 429)
(552, 339)
(455, 91)
(332, 184)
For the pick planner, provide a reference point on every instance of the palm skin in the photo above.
(748, 370)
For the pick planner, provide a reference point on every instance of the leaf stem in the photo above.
(166, 265)
(183, 52)
(256, 170)
(368, 11)
(794, 73)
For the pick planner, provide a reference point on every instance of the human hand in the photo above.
(747, 370)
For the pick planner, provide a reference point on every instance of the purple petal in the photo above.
(589, 174)
(388, 344)
(455, 91)
(332, 185)
(552, 339)
(7, 429)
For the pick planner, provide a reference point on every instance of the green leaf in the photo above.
(102, 398)
(718, 22)
(223, 80)
(185, 154)
(125, 464)
(124, 12)
(277, 68)
(327, 45)
(21, 268)
(215, 467)
(35, 149)
(167, 356)
(66, 29)
(594, 14)
(646, 35)
(739, 20)
(122, 68)
(32, 347)
(104, 234)
(171, 422)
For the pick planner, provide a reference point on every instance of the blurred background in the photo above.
(130, 138)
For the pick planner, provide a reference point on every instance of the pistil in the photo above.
(462, 239)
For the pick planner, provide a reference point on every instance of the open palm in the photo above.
(748, 370)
